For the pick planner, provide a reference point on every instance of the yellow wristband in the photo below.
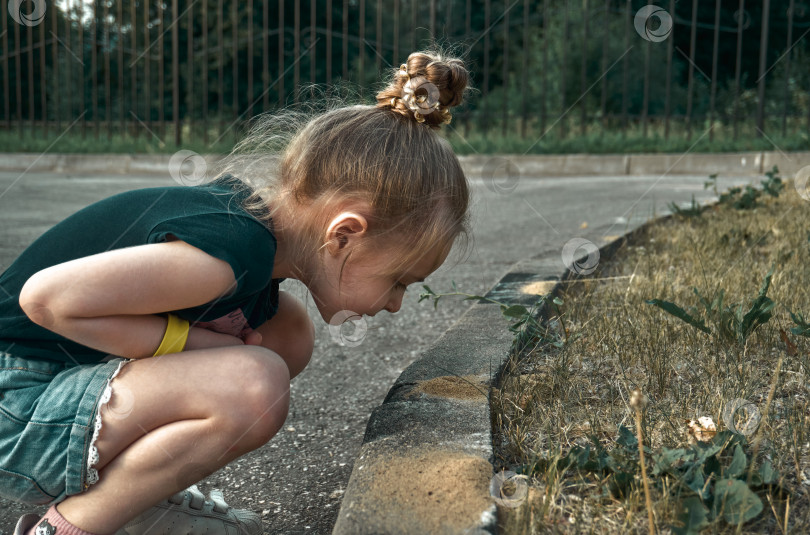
(174, 340)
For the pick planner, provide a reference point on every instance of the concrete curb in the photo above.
(485, 166)
(425, 465)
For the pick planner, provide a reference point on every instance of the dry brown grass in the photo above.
(552, 398)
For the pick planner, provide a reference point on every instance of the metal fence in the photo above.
(568, 67)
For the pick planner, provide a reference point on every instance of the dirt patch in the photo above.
(438, 489)
(451, 386)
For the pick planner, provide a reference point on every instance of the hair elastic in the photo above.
(175, 337)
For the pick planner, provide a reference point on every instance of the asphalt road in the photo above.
(297, 479)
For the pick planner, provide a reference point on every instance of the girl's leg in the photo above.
(174, 419)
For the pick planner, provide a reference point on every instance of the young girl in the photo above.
(144, 342)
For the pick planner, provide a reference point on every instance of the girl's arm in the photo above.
(110, 301)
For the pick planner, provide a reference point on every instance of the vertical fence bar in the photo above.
(204, 71)
(448, 20)
(42, 81)
(249, 58)
(668, 99)
(583, 68)
(361, 48)
(396, 61)
(147, 110)
(378, 55)
(133, 103)
(175, 75)
(691, 82)
(564, 73)
(432, 21)
(296, 49)
(603, 95)
(18, 71)
(505, 71)
(544, 95)
(627, 22)
(81, 85)
(763, 57)
(524, 109)
(107, 84)
(235, 60)
(68, 61)
(221, 68)
(645, 104)
(56, 87)
(281, 99)
(738, 62)
(715, 46)
(190, 82)
(467, 32)
(788, 48)
(413, 25)
(94, 67)
(485, 81)
(31, 118)
(345, 63)
(328, 41)
(161, 74)
(265, 55)
(312, 36)
(6, 103)
(121, 122)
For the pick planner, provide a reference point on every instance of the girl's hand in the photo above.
(199, 338)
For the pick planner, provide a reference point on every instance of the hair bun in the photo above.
(425, 87)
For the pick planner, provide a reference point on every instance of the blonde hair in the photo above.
(308, 163)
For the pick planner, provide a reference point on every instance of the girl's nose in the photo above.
(394, 306)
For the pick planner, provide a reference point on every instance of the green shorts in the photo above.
(48, 425)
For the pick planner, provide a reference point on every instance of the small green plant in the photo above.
(708, 480)
(712, 183)
(526, 327)
(744, 199)
(731, 324)
(694, 210)
(803, 328)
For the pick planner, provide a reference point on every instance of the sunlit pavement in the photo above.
(297, 479)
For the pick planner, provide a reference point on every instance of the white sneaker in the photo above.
(189, 513)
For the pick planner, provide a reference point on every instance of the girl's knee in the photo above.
(259, 407)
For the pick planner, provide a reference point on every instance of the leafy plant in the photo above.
(708, 480)
(773, 186)
(730, 323)
(743, 199)
(803, 328)
(526, 327)
(694, 210)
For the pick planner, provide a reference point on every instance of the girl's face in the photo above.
(362, 290)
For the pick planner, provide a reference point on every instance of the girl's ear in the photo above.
(344, 229)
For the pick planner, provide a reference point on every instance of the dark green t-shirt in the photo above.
(208, 216)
